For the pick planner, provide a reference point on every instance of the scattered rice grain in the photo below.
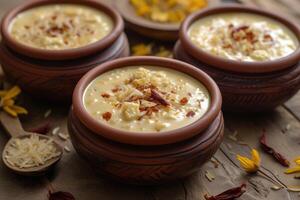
(55, 130)
(67, 149)
(47, 113)
(275, 187)
(210, 177)
(63, 136)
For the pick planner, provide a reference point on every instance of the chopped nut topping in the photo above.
(105, 95)
(116, 90)
(184, 101)
(130, 111)
(106, 116)
(190, 114)
(243, 36)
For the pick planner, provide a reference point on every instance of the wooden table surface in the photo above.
(73, 175)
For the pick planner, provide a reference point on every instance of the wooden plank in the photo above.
(74, 175)
(285, 7)
(293, 105)
(82, 182)
(249, 129)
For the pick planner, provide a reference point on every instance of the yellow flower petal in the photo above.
(163, 52)
(247, 164)
(167, 10)
(10, 111)
(138, 3)
(3, 93)
(255, 157)
(292, 170)
(155, 2)
(8, 102)
(143, 10)
(297, 161)
(172, 2)
(19, 109)
(250, 165)
(13, 92)
(142, 50)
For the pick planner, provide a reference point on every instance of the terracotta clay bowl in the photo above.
(245, 86)
(55, 80)
(146, 158)
(148, 28)
(66, 53)
(51, 74)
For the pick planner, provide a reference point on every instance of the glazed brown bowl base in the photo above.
(246, 92)
(145, 165)
(55, 80)
(146, 157)
(151, 138)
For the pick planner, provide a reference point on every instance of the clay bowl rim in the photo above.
(138, 138)
(128, 13)
(64, 54)
(233, 65)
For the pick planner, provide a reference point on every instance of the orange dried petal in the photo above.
(13, 92)
(11, 112)
(19, 109)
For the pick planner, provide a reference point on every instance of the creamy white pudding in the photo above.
(243, 37)
(60, 26)
(146, 99)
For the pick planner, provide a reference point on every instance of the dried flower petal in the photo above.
(150, 49)
(297, 161)
(41, 129)
(280, 158)
(8, 104)
(255, 157)
(163, 52)
(60, 196)
(19, 109)
(167, 10)
(142, 50)
(3, 93)
(292, 170)
(13, 92)
(10, 111)
(230, 194)
(250, 165)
